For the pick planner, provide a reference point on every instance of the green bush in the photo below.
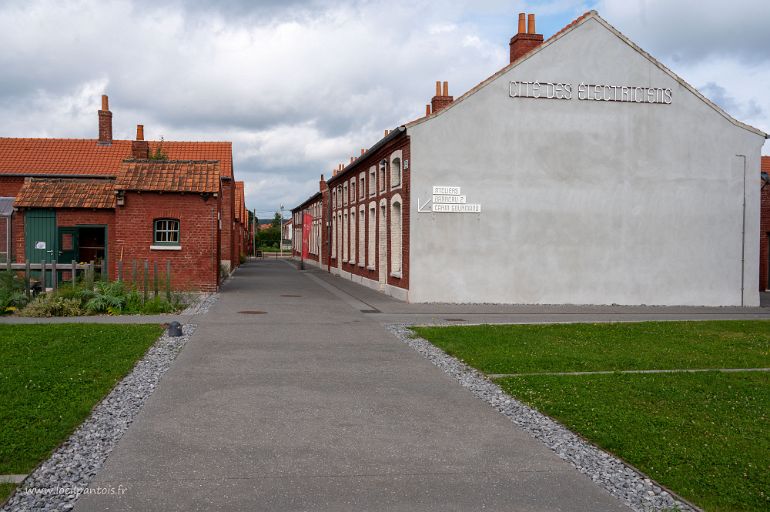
(12, 294)
(47, 305)
(107, 298)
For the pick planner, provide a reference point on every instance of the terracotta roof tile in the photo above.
(169, 176)
(766, 164)
(85, 156)
(66, 193)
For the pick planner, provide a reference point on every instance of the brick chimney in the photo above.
(322, 184)
(105, 123)
(442, 99)
(140, 148)
(526, 39)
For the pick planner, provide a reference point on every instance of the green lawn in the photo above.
(704, 435)
(51, 376)
(5, 491)
(618, 346)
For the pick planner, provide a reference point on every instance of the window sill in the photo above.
(361, 265)
(369, 267)
(397, 275)
(165, 247)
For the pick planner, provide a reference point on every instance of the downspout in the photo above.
(328, 232)
(743, 232)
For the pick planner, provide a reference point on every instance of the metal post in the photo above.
(146, 278)
(155, 278)
(280, 233)
(26, 277)
(168, 280)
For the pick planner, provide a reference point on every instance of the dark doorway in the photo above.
(92, 244)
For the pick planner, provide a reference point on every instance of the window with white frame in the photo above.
(395, 169)
(352, 227)
(361, 185)
(334, 197)
(396, 235)
(361, 236)
(345, 193)
(334, 236)
(372, 234)
(353, 195)
(372, 180)
(345, 235)
(383, 173)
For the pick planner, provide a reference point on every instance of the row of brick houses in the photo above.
(764, 230)
(120, 201)
(583, 172)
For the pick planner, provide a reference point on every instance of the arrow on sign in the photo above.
(422, 208)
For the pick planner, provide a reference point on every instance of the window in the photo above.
(383, 169)
(353, 247)
(372, 235)
(334, 237)
(361, 185)
(352, 190)
(166, 232)
(345, 236)
(372, 180)
(395, 169)
(345, 193)
(395, 236)
(361, 237)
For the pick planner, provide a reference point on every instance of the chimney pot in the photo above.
(363, 151)
(140, 132)
(427, 110)
(531, 24)
(526, 39)
(522, 23)
(105, 123)
(105, 102)
(438, 88)
(446, 88)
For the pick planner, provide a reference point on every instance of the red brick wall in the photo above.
(9, 186)
(228, 213)
(368, 160)
(17, 229)
(764, 239)
(196, 265)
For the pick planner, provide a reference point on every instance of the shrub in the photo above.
(107, 298)
(157, 306)
(47, 305)
(12, 294)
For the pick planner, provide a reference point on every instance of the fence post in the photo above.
(54, 275)
(26, 277)
(133, 274)
(146, 278)
(91, 275)
(168, 280)
(74, 273)
(155, 278)
(42, 273)
(120, 271)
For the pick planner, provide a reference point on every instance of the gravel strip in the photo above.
(55, 483)
(201, 304)
(618, 478)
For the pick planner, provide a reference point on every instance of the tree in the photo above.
(277, 220)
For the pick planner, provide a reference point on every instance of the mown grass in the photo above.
(51, 376)
(499, 349)
(5, 491)
(704, 435)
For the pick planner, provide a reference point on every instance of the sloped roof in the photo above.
(66, 193)
(6, 206)
(87, 157)
(239, 199)
(766, 164)
(561, 33)
(168, 176)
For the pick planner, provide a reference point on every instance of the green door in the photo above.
(40, 237)
(68, 245)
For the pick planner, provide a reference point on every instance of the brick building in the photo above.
(764, 228)
(583, 172)
(115, 201)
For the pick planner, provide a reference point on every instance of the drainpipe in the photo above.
(743, 231)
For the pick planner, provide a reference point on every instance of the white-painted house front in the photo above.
(585, 172)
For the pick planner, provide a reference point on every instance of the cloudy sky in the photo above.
(301, 85)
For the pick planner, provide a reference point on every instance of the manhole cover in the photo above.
(290, 295)
(251, 312)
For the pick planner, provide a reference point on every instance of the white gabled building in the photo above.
(585, 172)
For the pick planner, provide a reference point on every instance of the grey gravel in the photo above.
(618, 478)
(201, 304)
(54, 484)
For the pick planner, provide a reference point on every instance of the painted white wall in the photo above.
(586, 202)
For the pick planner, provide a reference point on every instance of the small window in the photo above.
(383, 169)
(372, 180)
(166, 232)
(395, 169)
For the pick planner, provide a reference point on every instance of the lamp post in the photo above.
(280, 233)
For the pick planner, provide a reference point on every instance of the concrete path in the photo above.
(313, 405)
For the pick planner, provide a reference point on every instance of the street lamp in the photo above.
(280, 233)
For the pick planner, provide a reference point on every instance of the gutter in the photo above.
(54, 176)
(389, 137)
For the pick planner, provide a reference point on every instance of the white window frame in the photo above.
(396, 157)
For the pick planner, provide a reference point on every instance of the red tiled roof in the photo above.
(766, 164)
(168, 176)
(65, 193)
(85, 156)
(239, 201)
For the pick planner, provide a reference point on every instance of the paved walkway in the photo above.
(313, 405)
